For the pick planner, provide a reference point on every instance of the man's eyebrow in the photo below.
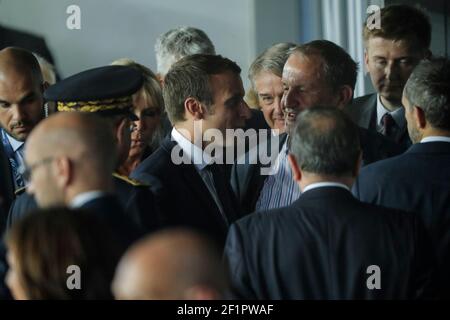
(234, 98)
(27, 96)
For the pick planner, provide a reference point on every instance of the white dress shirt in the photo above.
(325, 184)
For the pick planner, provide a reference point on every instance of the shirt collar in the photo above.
(83, 198)
(398, 115)
(435, 139)
(193, 151)
(15, 144)
(325, 184)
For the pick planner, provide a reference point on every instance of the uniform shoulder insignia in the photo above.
(128, 180)
(19, 191)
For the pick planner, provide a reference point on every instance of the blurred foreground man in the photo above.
(174, 264)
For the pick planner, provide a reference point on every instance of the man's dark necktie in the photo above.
(388, 124)
(220, 184)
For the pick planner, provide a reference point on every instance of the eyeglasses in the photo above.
(25, 171)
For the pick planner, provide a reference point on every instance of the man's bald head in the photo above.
(83, 142)
(21, 89)
(172, 264)
(21, 61)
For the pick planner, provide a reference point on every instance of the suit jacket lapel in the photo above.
(195, 182)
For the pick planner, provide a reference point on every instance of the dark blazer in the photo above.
(109, 210)
(15, 38)
(182, 197)
(247, 181)
(321, 246)
(137, 201)
(363, 111)
(419, 181)
(6, 186)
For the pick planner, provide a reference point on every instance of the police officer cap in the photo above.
(105, 90)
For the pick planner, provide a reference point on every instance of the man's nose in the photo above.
(287, 101)
(278, 105)
(391, 71)
(18, 112)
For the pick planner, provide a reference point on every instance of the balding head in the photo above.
(22, 61)
(79, 153)
(172, 264)
(21, 88)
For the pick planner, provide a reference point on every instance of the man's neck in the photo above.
(433, 132)
(310, 179)
(390, 105)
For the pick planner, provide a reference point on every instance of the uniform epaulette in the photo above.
(128, 180)
(19, 191)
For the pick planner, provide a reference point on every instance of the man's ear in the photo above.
(194, 108)
(345, 96)
(63, 170)
(44, 86)
(366, 61)
(160, 79)
(428, 54)
(119, 130)
(419, 117)
(296, 171)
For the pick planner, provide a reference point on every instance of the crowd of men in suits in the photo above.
(356, 205)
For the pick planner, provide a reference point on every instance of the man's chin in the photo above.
(393, 95)
(21, 135)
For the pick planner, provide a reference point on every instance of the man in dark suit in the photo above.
(69, 159)
(419, 179)
(327, 244)
(316, 73)
(391, 53)
(21, 108)
(203, 94)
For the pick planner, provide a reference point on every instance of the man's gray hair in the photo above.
(178, 43)
(272, 60)
(428, 88)
(325, 141)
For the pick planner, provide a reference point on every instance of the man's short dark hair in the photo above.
(339, 68)
(190, 77)
(428, 88)
(325, 141)
(402, 22)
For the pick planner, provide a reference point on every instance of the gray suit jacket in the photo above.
(363, 111)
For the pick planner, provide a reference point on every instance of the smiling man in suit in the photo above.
(391, 53)
(202, 93)
(317, 73)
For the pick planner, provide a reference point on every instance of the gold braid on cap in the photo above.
(96, 106)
